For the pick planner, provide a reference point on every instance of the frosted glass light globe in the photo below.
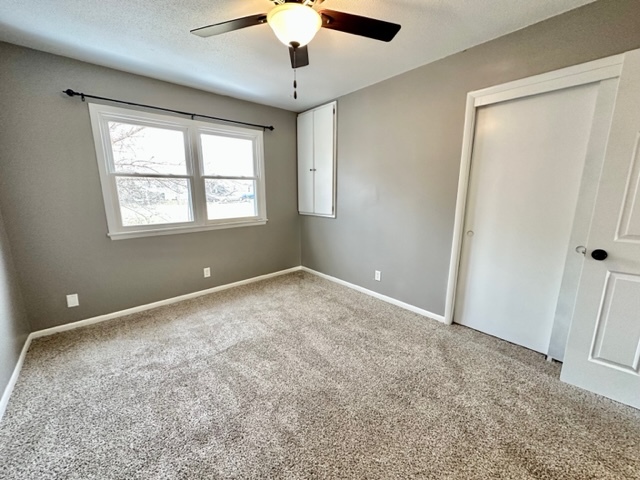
(294, 23)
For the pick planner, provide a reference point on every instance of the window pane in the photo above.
(154, 201)
(140, 149)
(227, 156)
(230, 198)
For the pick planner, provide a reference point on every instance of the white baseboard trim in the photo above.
(4, 401)
(377, 295)
(149, 306)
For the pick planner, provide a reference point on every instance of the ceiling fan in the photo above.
(295, 23)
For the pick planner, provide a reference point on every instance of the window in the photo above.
(164, 175)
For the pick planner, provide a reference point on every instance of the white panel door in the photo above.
(305, 163)
(324, 149)
(527, 163)
(603, 350)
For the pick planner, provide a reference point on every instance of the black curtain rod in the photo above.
(72, 93)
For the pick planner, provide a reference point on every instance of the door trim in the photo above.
(591, 72)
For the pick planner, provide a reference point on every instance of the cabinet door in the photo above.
(305, 163)
(324, 149)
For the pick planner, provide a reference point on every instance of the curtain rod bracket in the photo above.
(72, 93)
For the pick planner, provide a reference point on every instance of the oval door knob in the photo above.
(599, 255)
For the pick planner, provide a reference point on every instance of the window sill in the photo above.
(176, 230)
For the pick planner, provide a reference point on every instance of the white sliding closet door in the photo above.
(527, 164)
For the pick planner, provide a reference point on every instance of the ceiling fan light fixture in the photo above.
(294, 23)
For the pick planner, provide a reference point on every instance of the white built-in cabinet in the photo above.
(317, 161)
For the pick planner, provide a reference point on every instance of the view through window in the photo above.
(161, 173)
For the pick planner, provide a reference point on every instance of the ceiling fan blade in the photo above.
(299, 57)
(230, 26)
(357, 25)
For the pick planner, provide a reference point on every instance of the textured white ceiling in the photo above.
(151, 37)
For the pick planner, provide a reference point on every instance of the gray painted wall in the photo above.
(51, 198)
(14, 326)
(399, 147)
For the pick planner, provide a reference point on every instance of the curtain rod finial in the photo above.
(69, 92)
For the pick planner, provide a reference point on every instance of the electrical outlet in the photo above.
(207, 272)
(72, 300)
(378, 276)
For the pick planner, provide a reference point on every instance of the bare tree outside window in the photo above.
(149, 200)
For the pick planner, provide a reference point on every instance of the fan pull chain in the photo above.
(295, 72)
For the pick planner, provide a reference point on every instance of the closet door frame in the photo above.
(591, 72)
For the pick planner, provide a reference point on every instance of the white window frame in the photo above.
(101, 115)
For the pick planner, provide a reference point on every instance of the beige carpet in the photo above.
(297, 378)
